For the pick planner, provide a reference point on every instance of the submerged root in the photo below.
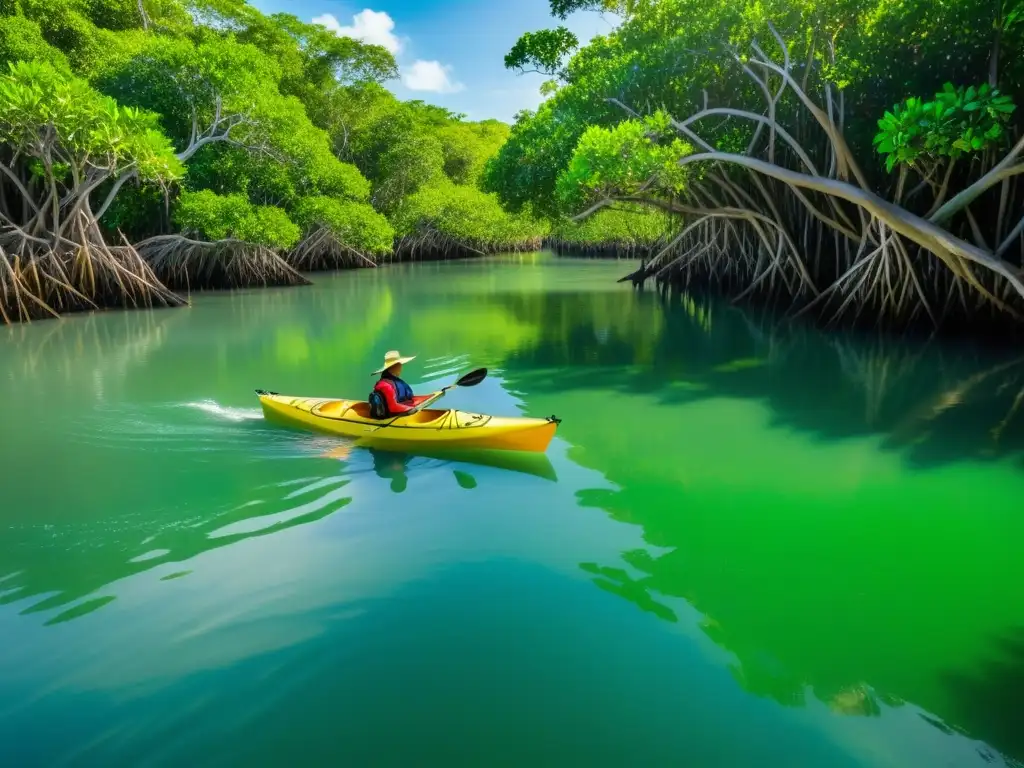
(185, 264)
(322, 250)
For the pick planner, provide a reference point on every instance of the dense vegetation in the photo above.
(630, 231)
(155, 144)
(856, 158)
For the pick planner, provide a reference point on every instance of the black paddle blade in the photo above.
(472, 378)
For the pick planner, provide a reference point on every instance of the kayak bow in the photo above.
(434, 428)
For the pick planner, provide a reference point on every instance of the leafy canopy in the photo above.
(541, 51)
(633, 157)
(956, 122)
(355, 224)
(630, 225)
(282, 125)
(672, 54)
(43, 109)
(219, 217)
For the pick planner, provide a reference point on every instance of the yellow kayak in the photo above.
(433, 428)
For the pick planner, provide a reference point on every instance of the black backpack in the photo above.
(378, 406)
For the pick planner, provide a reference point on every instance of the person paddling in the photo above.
(391, 396)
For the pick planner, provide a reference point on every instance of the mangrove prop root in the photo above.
(428, 243)
(323, 250)
(77, 271)
(181, 262)
(796, 218)
(53, 256)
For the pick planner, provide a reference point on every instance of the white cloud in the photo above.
(430, 76)
(374, 27)
(378, 28)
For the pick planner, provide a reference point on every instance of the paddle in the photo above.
(471, 379)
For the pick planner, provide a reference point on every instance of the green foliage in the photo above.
(179, 76)
(620, 161)
(468, 146)
(958, 121)
(355, 224)
(220, 217)
(21, 39)
(172, 75)
(36, 98)
(269, 226)
(394, 144)
(628, 226)
(562, 8)
(541, 51)
(466, 215)
(299, 122)
(137, 213)
(211, 215)
(668, 54)
(312, 57)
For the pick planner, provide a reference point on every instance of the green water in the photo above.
(748, 545)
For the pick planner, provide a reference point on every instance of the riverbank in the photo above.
(984, 328)
(172, 276)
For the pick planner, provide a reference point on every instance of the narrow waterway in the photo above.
(749, 544)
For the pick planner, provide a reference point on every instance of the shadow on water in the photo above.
(935, 402)
(858, 583)
(392, 467)
(991, 695)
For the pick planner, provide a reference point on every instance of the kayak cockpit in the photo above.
(360, 410)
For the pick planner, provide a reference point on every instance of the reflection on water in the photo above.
(991, 695)
(843, 511)
(811, 536)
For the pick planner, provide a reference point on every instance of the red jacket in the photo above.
(387, 389)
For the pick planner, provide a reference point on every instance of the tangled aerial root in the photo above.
(183, 263)
(322, 250)
(83, 272)
(429, 244)
(793, 219)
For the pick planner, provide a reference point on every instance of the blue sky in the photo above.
(450, 52)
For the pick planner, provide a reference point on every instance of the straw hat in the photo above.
(392, 358)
